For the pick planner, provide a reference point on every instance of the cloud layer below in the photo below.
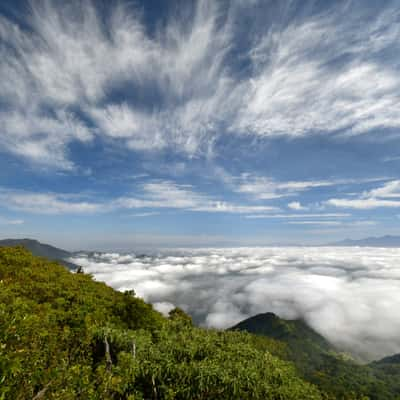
(349, 295)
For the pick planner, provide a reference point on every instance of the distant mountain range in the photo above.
(381, 241)
(42, 250)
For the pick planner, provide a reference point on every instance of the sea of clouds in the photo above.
(349, 295)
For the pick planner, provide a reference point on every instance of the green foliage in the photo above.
(178, 314)
(337, 375)
(67, 337)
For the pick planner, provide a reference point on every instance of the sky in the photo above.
(128, 124)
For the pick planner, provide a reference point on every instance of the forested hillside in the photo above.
(64, 336)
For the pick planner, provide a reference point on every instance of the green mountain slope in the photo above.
(394, 360)
(303, 342)
(317, 361)
(65, 337)
(388, 369)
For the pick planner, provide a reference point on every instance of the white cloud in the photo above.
(145, 214)
(100, 55)
(384, 196)
(166, 194)
(141, 131)
(171, 194)
(47, 203)
(363, 204)
(8, 221)
(391, 158)
(153, 195)
(362, 223)
(318, 73)
(389, 190)
(158, 195)
(324, 74)
(163, 307)
(220, 287)
(41, 138)
(222, 206)
(303, 216)
(266, 188)
(330, 223)
(295, 205)
(261, 188)
(350, 224)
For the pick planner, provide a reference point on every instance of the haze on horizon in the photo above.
(130, 124)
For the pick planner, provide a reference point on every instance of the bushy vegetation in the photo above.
(64, 336)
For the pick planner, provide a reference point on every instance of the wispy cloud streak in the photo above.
(69, 73)
(386, 196)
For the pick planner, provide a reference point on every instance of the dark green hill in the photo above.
(306, 347)
(389, 360)
(289, 331)
(318, 361)
(42, 250)
(388, 369)
(37, 248)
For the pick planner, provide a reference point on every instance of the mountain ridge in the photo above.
(42, 250)
(372, 241)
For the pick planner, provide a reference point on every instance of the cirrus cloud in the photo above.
(70, 73)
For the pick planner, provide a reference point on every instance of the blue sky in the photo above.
(151, 124)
